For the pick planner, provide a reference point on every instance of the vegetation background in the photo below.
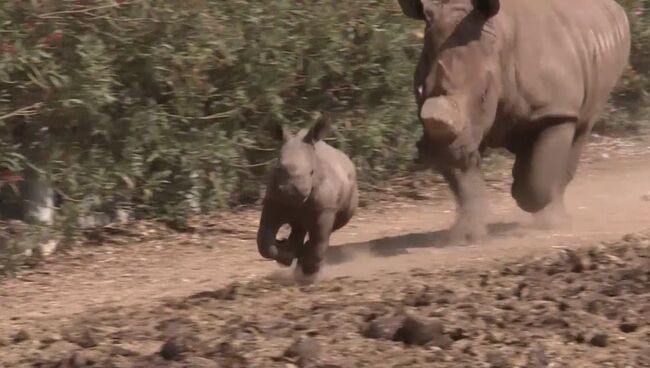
(163, 108)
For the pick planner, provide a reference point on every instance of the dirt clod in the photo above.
(21, 336)
(173, 349)
(628, 327)
(227, 293)
(414, 331)
(556, 319)
(382, 327)
(599, 339)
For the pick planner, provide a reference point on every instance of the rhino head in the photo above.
(457, 78)
(296, 172)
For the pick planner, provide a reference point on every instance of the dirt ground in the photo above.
(392, 295)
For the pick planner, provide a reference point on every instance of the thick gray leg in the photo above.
(270, 223)
(289, 248)
(540, 171)
(555, 214)
(310, 257)
(468, 187)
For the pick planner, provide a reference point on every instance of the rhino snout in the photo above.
(294, 193)
(441, 118)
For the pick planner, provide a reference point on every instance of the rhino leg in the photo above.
(555, 214)
(288, 250)
(270, 223)
(541, 169)
(468, 187)
(310, 257)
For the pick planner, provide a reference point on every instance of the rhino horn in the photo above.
(441, 118)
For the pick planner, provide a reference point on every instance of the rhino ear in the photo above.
(488, 8)
(282, 133)
(412, 8)
(319, 130)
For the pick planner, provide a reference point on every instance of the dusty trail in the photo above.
(394, 294)
(605, 200)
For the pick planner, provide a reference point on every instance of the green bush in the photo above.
(160, 104)
(165, 106)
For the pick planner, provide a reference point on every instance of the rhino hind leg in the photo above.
(555, 214)
(542, 171)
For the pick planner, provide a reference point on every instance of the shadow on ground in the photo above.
(398, 245)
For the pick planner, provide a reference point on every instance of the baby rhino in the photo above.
(313, 188)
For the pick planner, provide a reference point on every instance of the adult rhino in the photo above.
(531, 76)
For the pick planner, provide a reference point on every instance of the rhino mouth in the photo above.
(441, 119)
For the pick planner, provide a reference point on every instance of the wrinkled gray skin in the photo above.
(313, 188)
(528, 75)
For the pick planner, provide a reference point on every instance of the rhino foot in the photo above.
(552, 218)
(305, 279)
(285, 255)
(467, 231)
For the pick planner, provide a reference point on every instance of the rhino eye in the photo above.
(312, 172)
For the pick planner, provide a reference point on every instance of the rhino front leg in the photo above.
(311, 256)
(288, 249)
(468, 186)
(542, 171)
(270, 223)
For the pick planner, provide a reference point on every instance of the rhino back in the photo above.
(561, 58)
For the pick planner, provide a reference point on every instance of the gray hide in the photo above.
(528, 75)
(313, 188)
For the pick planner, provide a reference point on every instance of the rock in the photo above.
(227, 293)
(599, 340)
(173, 349)
(575, 262)
(382, 328)
(458, 334)
(484, 279)
(496, 360)
(628, 327)
(417, 332)
(408, 330)
(21, 336)
(305, 349)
